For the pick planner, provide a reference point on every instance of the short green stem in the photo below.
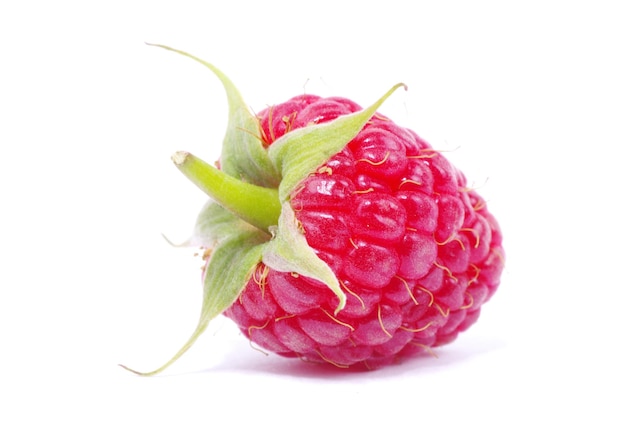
(254, 204)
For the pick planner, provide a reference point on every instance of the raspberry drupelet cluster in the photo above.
(415, 249)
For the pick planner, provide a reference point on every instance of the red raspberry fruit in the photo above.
(336, 236)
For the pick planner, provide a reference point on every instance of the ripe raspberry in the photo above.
(378, 248)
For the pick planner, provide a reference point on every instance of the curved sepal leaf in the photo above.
(300, 152)
(213, 224)
(243, 155)
(289, 251)
(229, 268)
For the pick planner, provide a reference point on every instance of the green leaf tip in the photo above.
(222, 284)
(301, 151)
(289, 251)
(243, 155)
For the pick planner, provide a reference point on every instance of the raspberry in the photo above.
(372, 247)
(395, 213)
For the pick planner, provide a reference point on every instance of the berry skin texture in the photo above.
(415, 249)
(335, 236)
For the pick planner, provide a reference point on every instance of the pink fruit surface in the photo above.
(415, 249)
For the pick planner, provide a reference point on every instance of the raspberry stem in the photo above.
(254, 204)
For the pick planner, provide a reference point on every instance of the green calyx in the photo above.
(249, 218)
(254, 204)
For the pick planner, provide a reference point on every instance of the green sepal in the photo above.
(288, 251)
(214, 224)
(229, 268)
(300, 152)
(243, 155)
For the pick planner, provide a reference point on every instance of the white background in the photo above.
(527, 97)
